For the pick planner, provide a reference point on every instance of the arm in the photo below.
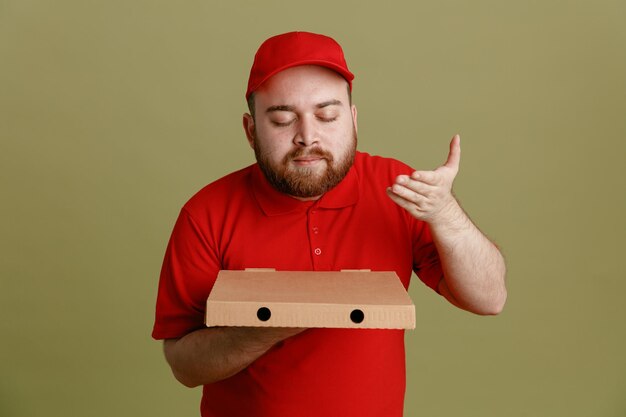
(473, 267)
(210, 355)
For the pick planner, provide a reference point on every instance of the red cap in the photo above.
(292, 49)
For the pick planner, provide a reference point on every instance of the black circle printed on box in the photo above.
(264, 314)
(357, 316)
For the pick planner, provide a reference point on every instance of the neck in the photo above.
(317, 197)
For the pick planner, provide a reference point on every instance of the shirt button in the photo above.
(317, 251)
(316, 230)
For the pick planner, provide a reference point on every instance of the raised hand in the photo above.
(427, 195)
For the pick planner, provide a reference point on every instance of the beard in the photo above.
(306, 182)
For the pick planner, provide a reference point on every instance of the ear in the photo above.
(248, 127)
(354, 113)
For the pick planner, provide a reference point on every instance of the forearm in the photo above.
(473, 267)
(210, 355)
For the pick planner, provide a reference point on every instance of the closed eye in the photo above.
(282, 124)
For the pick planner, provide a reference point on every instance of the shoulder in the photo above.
(384, 168)
(233, 186)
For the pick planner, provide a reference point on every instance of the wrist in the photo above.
(451, 219)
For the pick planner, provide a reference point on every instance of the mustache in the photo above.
(315, 152)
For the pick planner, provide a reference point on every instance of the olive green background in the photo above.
(113, 113)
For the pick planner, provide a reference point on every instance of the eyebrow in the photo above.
(329, 103)
(281, 107)
(285, 107)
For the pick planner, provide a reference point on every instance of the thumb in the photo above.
(454, 156)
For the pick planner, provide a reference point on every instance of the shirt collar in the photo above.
(274, 203)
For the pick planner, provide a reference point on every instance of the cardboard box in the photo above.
(346, 299)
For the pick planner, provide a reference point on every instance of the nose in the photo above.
(306, 134)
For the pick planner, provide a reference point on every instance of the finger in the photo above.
(407, 194)
(426, 177)
(416, 184)
(454, 156)
(402, 202)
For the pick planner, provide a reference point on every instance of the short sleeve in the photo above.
(189, 270)
(426, 263)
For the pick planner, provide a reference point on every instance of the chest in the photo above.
(318, 239)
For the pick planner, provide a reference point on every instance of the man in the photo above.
(312, 202)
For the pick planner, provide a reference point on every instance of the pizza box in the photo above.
(343, 299)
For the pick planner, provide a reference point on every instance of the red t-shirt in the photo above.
(241, 221)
